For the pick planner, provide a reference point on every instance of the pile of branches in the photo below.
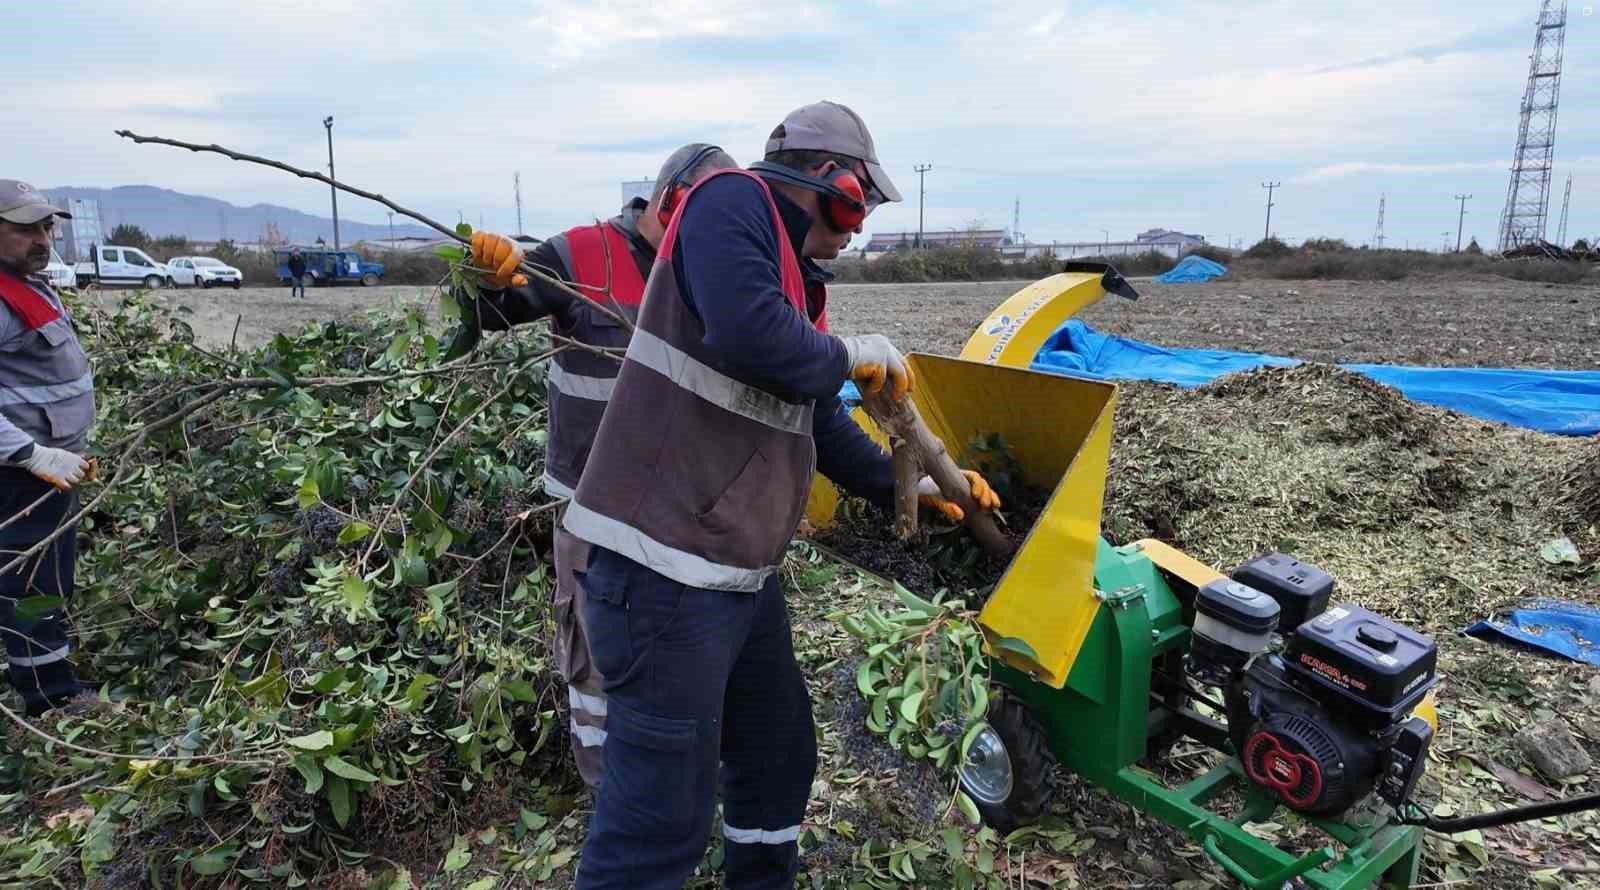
(1582, 251)
(312, 601)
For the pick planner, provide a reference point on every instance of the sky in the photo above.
(1102, 118)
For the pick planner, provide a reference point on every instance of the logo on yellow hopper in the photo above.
(998, 325)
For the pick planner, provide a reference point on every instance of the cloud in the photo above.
(1355, 168)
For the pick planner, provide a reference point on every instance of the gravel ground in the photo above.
(1434, 320)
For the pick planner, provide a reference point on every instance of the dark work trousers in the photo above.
(692, 677)
(37, 647)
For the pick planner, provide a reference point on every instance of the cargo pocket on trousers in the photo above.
(650, 758)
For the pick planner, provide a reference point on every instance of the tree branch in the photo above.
(525, 266)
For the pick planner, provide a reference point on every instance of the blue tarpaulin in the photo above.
(1191, 269)
(1562, 402)
(1567, 629)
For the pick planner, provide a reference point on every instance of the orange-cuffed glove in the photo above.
(928, 496)
(498, 256)
(59, 467)
(874, 362)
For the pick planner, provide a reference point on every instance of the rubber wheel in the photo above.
(369, 280)
(1033, 768)
(152, 282)
(200, 283)
(237, 285)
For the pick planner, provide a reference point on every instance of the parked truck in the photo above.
(324, 266)
(111, 264)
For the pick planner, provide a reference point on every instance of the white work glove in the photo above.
(60, 468)
(874, 361)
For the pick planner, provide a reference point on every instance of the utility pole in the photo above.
(328, 123)
(922, 170)
(1269, 186)
(516, 184)
(1459, 217)
(1105, 241)
(1444, 247)
(1566, 201)
(391, 230)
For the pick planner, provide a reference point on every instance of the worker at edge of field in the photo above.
(46, 409)
(725, 404)
(609, 262)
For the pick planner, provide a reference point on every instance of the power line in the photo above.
(1269, 186)
(1459, 218)
(922, 192)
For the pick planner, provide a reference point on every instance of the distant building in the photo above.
(1185, 241)
(991, 239)
(74, 237)
(1164, 241)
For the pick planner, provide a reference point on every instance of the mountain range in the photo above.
(162, 211)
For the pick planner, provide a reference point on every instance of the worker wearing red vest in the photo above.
(608, 262)
(725, 406)
(46, 409)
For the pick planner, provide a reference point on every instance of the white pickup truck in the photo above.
(113, 264)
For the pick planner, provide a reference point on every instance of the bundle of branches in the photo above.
(312, 600)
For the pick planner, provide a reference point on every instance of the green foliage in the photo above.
(1268, 248)
(129, 235)
(1551, 271)
(313, 643)
(924, 674)
(942, 264)
(169, 246)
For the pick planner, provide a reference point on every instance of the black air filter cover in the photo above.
(1302, 590)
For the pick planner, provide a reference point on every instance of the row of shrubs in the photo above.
(1334, 258)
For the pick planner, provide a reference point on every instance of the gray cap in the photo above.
(682, 164)
(831, 127)
(24, 205)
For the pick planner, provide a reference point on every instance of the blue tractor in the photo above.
(326, 267)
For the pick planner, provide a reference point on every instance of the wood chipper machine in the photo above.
(1110, 654)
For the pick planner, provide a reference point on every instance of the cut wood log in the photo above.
(907, 475)
(901, 420)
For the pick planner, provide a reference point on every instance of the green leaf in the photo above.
(459, 855)
(980, 699)
(315, 741)
(864, 678)
(970, 810)
(442, 589)
(519, 690)
(953, 844)
(970, 737)
(914, 602)
(340, 767)
(912, 705)
(1017, 646)
(355, 531)
(328, 681)
(356, 593)
(450, 252)
(310, 771)
(397, 348)
(33, 607)
(488, 883)
(309, 495)
(417, 692)
(339, 800)
(214, 862)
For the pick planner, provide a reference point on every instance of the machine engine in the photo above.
(1319, 700)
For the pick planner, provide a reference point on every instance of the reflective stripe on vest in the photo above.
(679, 565)
(45, 394)
(556, 488)
(578, 386)
(718, 388)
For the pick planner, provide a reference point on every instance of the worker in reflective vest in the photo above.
(609, 262)
(46, 409)
(725, 406)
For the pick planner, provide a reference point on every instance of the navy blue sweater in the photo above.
(727, 265)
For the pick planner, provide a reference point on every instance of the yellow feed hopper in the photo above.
(1059, 430)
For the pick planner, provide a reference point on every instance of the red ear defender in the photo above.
(847, 213)
(669, 203)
